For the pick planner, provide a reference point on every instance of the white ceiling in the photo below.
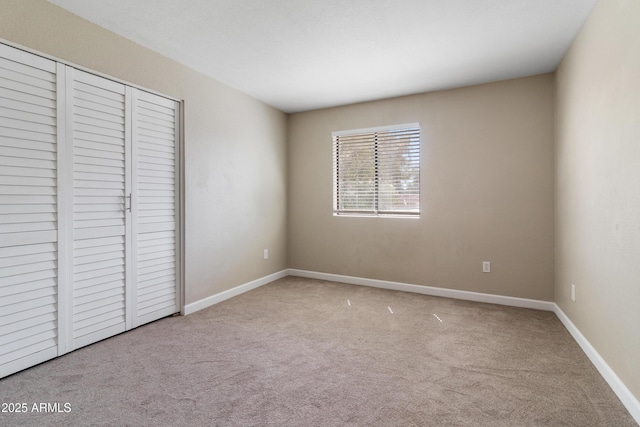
(301, 55)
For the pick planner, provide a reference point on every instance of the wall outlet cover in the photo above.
(486, 267)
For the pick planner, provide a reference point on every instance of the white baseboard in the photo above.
(230, 293)
(428, 290)
(619, 388)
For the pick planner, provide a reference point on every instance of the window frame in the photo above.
(375, 213)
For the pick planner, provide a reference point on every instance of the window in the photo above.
(377, 171)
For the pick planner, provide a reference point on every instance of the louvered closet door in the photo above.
(96, 120)
(155, 195)
(89, 207)
(28, 210)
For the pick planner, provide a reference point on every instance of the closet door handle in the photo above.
(128, 202)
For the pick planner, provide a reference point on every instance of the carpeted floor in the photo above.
(302, 352)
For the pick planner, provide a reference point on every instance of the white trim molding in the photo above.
(619, 388)
(230, 293)
(428, 290)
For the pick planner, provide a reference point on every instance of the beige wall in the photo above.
(598, 185)
(235, 146)
(487, 192)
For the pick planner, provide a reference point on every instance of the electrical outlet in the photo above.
(266, 254)
(573, 292)
(486, 267)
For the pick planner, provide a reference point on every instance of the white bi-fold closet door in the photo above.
(88, 208)
(124, 206)
(29, 254)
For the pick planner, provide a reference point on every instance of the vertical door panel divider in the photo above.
(130, 233)
(67, 198)
(64, 219)
(178, 209)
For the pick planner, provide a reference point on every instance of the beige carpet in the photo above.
(301, 352)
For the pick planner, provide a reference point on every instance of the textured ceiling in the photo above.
(300, 55)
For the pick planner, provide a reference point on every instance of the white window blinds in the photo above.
(377, 171)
